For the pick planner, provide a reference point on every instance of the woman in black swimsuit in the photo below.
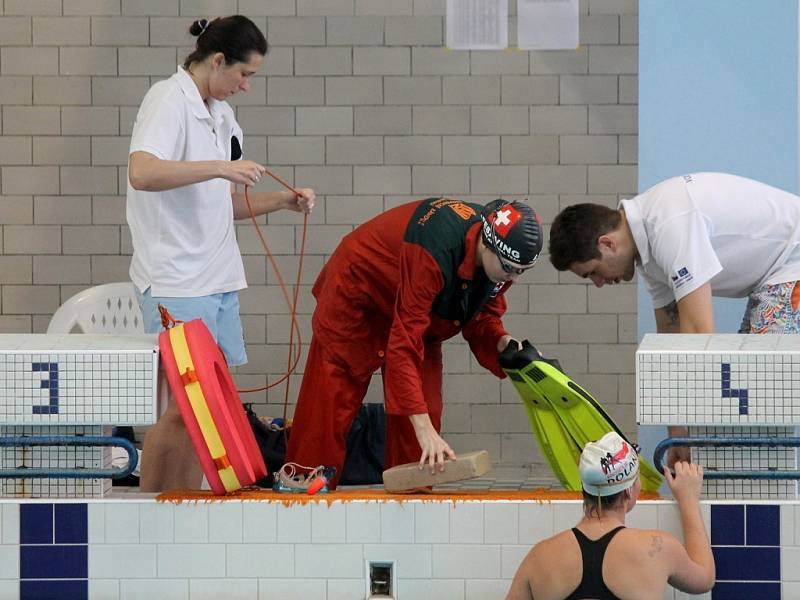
(601, 559)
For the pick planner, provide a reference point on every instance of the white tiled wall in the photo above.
(143, 549)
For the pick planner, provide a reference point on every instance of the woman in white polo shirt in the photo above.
(184, 167)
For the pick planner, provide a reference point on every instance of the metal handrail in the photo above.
(24, 472)
(725, 442)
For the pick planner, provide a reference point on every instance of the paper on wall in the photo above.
(477, 24)
(547, 24)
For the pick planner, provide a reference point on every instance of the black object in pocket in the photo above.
(236, 148)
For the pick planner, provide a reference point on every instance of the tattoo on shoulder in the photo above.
(656, 545)
(672, 311)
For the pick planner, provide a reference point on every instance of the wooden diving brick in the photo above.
(409, 476)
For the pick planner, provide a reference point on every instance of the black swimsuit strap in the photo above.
(593, 552)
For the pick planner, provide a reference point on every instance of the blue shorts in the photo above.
(220, 313)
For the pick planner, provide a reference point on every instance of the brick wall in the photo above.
(358, 99)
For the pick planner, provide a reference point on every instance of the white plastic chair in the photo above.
(108, 308)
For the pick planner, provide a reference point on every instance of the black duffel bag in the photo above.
(366, 441)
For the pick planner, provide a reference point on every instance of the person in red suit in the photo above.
(391, 293)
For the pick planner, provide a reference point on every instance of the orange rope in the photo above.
(167, 320)
(293, 358)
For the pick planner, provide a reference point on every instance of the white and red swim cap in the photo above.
(608, 466)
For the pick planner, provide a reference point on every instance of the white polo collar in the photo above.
(193, 97)
(636, 225)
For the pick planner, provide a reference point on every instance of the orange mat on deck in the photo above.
(540, 495)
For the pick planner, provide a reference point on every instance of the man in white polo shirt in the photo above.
(691, 238)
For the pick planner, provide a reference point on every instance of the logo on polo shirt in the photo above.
(681, 277)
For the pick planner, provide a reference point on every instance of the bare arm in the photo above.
(149, 173)
(696, 311)
(667, 319)
(267, 202)
(678, 431)
(521, 585)
(693, 569)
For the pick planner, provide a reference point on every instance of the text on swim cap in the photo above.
(499, 243)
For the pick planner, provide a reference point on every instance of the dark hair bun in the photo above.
(235, 37)
(198, 27)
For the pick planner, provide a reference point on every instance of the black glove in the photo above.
(516, 357)
(506, 358)
(531, 353)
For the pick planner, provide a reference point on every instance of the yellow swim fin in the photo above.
(577, 412)
(558, 447)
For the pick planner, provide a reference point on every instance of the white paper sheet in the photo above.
(547, 24)
(477, 24)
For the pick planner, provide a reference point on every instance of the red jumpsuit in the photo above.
(394, 289)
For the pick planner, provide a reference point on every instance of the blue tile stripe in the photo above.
(746, 591)
(54, 551)
(71, 521)
(36, 524)
(48, 590)
(763, 525)
(54, 562)
(727, 525)
(745, 540)
(747, 563)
